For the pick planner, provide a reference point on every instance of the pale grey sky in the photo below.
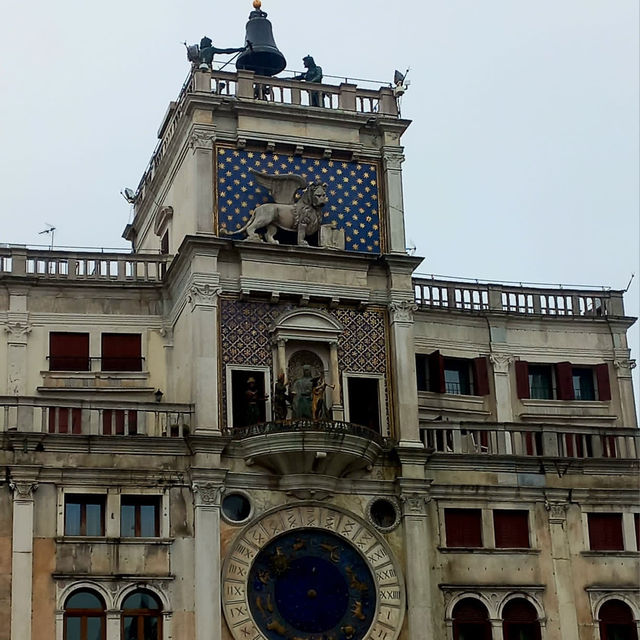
(522, 159)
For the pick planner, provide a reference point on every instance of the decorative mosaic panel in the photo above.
(245, 338)
(352, 189)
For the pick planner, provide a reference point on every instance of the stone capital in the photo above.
(624, 367)
(414, 504)
(202, 295)
(393, 160)
(403, 311)
(18, 331)
(207, 494)
(202, 140)
(501, 362)
(557, 510)
(23, 490)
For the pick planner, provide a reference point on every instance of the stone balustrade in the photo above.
(82, 265)
(79, 417)
(516, 439)
(476, 297)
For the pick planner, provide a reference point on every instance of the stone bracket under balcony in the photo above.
(305, 446)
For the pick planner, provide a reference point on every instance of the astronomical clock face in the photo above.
(312, 573)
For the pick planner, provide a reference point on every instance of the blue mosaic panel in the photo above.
(352, 190)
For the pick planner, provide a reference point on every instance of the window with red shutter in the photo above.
(522, 378)
(463, 527)
(69, 351)
(481, 376)
(121, 352)
(605, 531)
(511, 529)
(564, 381)
(602, 378)
(436, 372)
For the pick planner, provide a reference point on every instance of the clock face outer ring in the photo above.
(239, 597)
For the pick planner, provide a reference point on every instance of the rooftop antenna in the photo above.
(51, 231)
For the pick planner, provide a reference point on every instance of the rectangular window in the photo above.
(605, 531)
(119, 422)
(140, 516)
(540, 381)
(65, 420)
(583, 386)
(457, 376)
(463, 527)
(121, 352)
(364, 402)
(69, 351)
(511, 529)
(84, 515)
(248, 397)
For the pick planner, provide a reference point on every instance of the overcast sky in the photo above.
(522, 162)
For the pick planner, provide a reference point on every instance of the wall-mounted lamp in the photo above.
(158, 395)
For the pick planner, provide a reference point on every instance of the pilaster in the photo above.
(393, 159)
(501, 366)
(201, 143)
(624, 367)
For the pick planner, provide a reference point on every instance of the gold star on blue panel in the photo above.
(352, 192)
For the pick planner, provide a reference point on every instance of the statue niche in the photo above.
(304, 368)
(301, 216)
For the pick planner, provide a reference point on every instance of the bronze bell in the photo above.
(262, 56)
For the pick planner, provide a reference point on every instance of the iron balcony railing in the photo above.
(330, 427)
(541, 440)
(451, 295)
(51, 415)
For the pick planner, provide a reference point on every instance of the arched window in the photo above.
(84, 616)
(141, 617)
(520, 621)
(616, 621)
(471, 621)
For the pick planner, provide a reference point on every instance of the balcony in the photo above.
(472, 296)
(83, 418)
(532, 441)
(309, 446)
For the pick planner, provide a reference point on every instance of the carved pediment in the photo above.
(306, 324)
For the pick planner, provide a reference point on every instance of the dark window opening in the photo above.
(636, 522)
(84, 515)
(140, 516)
(605, 531)
(69, 351)
(520, 621)
(236, 507)
(511, 529)
(540, 382)
(65, 420)
(164, 244)
(583, 386)
(463, 527)
(248, 398)
(364, 403)
(121, 352)
(141, 617)
(119, 422)
(616, 621)
(84, 617)
(457, 377)
(471, 620)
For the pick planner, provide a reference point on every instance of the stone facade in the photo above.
(479, 448)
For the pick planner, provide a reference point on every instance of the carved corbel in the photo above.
(18, 331)
(414, 504)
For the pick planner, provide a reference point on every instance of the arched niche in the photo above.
(313, 332)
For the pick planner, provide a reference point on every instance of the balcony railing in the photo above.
(532, 440)
(82, 266)
(50, 415)
(318, 426)
(478, 297)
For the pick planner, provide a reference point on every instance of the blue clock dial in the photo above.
(311, 585)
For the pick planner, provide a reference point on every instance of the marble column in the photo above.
(557, 507)
(417, 543)
(405, 381)
(207, 591)
(501, 367)
(203, 299)
(336, 395)
(202, 142)
(393, 159)
(22, 557)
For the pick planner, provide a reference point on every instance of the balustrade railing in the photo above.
(478, 297)
(532, 440)
(330, 427)
(49, 415)
(91, 266)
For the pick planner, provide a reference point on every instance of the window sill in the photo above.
(105, 540)
(462, 404)
(608, 554)
(489, 550)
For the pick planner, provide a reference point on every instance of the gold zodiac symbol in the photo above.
(332, 550)
(274, 625)
(355, 583)
(357, 610)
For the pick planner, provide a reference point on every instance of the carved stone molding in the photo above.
(598, 595)
(202, 140)
(17, 331)
(625, 367)
(403, 311)
(309, 494)
(23, 489)
(501, 362)
(414, 504)
(393, 160)
(557, 511)
(209, 493)
(202, 295)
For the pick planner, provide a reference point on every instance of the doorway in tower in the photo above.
(249, 396)
(363, 406)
